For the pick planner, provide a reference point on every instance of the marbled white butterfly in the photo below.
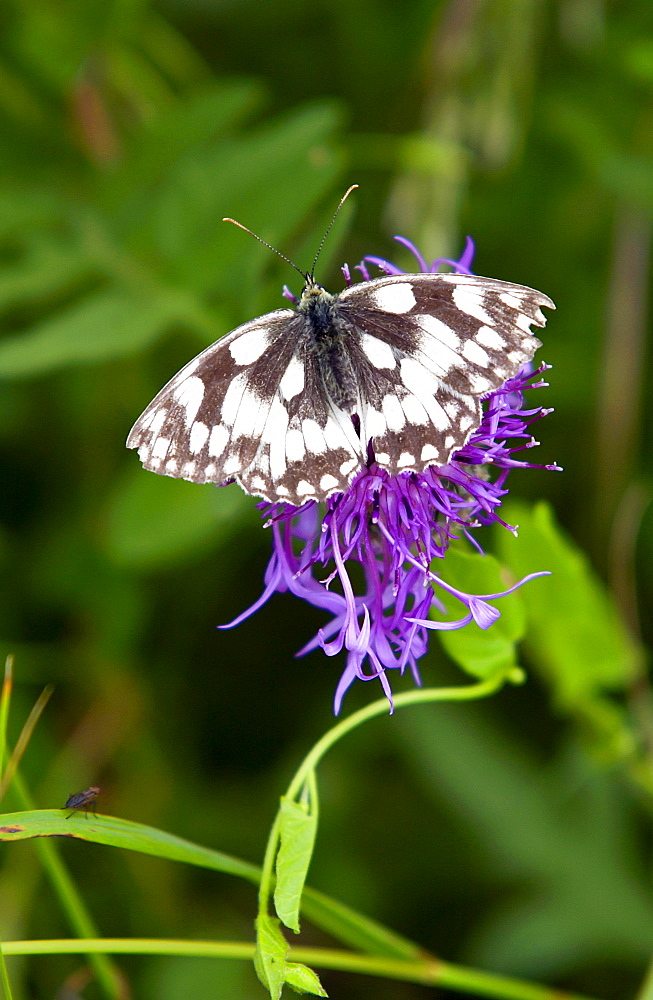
(293, 404)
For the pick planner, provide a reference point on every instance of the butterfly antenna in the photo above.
(270, 247)
(329, 228)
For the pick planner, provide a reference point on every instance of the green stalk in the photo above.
(427, 973)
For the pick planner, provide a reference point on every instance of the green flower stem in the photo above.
(427, 973)
(469, 692)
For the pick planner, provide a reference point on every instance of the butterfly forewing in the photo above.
(268, 405)
(429, 347)
(205, 424)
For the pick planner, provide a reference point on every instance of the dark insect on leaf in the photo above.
(82, 800)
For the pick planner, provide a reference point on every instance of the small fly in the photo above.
(83, 800)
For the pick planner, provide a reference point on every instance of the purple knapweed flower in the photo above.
(395, 527)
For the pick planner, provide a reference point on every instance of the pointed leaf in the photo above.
(303, 980)
(297, 835)
(271, 951)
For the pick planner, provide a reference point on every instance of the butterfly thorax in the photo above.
(329, 334)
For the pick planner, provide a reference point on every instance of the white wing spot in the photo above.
(469, 301)
(232, 398)
(487, 337)
(209, 470)
(292, 382)
(510, 300)
(414, 410)
(314, 436)
(328, 482)
(379, 353)
(347, 466)
(160, 449)
(218, 440)
(430, 452)
(516, 357)
(523, 322)
(479, 384)
(275, 434)
(257, 482)
(282, 491)
(248, 416)
(441, 331)
(304, 488)
(199, 433)
(249, 346)
(190, 395)
(295, 446)
(424, 386)
(393, 412)
(395, 298)
(231, 466)
(375, 423)
(189, 469)
(382, 458)
(475, 353)
(449, 442)
(171, 465)
(405, 459)
(156, 421)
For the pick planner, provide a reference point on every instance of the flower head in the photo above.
(395, 527)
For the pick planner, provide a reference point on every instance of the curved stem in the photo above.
(469, 692)
(306, 769)
(427, 971)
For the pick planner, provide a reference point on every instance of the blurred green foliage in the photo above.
(519, 833)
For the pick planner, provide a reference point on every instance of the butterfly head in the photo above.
(312, 291)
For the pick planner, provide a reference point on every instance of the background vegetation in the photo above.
(515, 835)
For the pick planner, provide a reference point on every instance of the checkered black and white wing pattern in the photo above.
(427, 349)
(291, 404)
(252, 408)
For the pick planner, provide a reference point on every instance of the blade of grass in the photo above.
(24, 738)
(5, 702)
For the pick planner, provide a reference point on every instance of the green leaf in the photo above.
(575, 633)
(155, 520)
(481, 652)
(297, 838)
(109, 324)
(114, 832)
(271, 951)
(303, 980)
